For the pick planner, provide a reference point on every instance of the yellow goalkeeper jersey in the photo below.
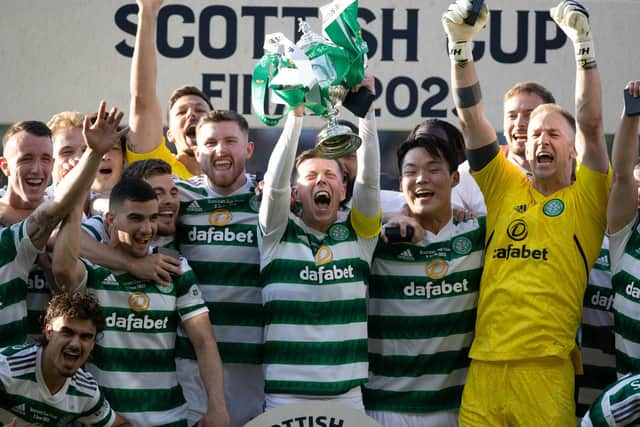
(539, 251)
(161, 152)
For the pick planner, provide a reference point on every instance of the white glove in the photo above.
(459, 33)
(573, 19)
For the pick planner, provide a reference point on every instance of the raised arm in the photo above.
(199, 331)
(68, 271)
(366, 214)
(145, 112)
(366, 191)
(73, 188)
(573, 19)
(623, 199)
(276, 197)
(467, 96)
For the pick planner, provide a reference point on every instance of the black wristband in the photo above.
(469, 96)
(480, 157)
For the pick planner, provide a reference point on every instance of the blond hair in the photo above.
(554, 108)
(65, 120)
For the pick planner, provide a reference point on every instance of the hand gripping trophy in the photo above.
(317, 73)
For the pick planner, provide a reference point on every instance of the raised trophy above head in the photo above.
(336, 140)
(318, 73)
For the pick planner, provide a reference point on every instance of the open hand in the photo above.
(103, 132)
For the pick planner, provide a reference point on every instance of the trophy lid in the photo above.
(309, 38)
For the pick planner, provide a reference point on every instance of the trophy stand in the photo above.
(336, 140)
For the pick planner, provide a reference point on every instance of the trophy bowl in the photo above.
(336, 140)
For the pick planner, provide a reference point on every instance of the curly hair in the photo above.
(77, 306)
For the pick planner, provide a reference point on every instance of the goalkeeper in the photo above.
(543, 236)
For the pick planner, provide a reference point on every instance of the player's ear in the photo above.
(47, 330)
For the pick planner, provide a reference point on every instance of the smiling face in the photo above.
(68, 146)
(550, 149)
(517, 111)
(69, 344)
(135, 225)
(183, 118)
(27, 161)
(222, 152)
(110, 169)
(426, 183)
(319, 188)
(168, 202)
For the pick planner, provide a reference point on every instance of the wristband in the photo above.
(585, 55)
(459, 52)
(466, 97)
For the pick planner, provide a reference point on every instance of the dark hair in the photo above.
(436, 146)
(313, 154)
(530, 87)
(33, 127)
(186, 91)
(454, 136)
(217, 116)
(147, 168)
(130, 188)
(76, 306)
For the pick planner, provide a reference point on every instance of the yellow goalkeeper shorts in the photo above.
(532, 392)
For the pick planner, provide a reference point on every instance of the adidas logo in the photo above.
(603, 260)
(110, 280)
(520, 208)
(193, 207)
(20, 409)
(406, 254)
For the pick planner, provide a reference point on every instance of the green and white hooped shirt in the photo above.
(24, 394)
(422, 312)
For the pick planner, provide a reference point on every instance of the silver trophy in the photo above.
(334, 140)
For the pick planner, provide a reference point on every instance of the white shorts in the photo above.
(192, 388)
(352, 399)
(396, 419)
(243, 391)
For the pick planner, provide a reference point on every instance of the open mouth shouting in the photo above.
(106, 172)
(222, 164)
(544, 157)
(70, 356)
(190, 133)
(322, 199)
